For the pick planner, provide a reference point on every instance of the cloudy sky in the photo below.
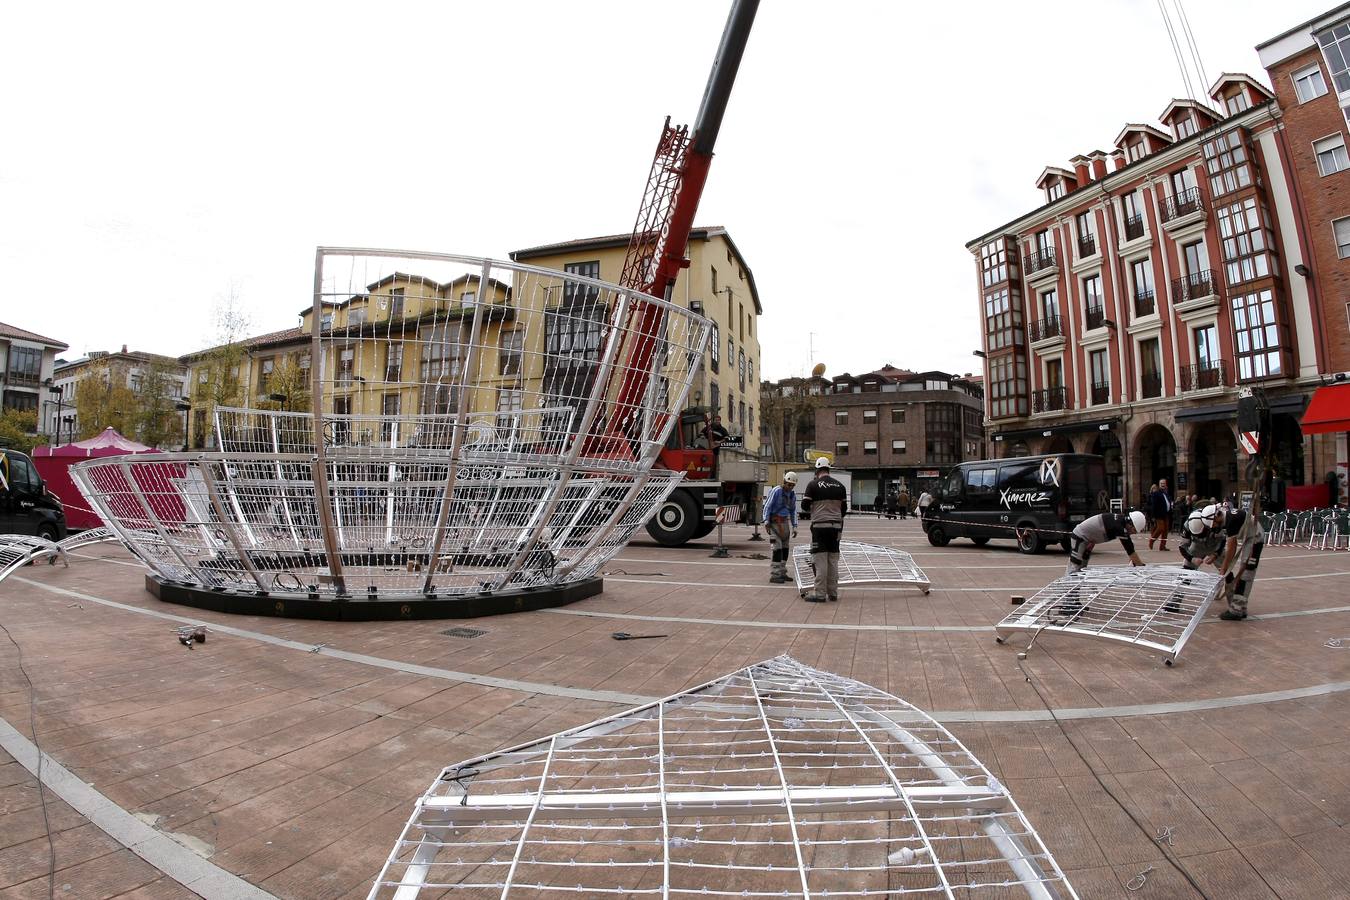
(161, 157)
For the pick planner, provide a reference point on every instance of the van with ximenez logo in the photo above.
(26, 506)
(1033, 500)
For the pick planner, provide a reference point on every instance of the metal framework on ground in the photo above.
(861, 563)
(18, 550)
(778, 780)
(443, 426)
(1157, 607)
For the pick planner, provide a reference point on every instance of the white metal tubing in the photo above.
(787, 792)
(228, 527)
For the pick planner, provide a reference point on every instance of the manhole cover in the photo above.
(464, 632)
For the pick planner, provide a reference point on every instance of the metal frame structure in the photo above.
(471, 429)
(778, 780)
(861, 563)
(18, 550)
(1157, 607)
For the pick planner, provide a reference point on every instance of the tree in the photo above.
(789, 407)
(157, 420)
(103, 400)
(18, 430)
(224, 362)
(291, 382)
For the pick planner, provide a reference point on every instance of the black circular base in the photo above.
(367, 609)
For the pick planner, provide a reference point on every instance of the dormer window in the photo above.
(1184, 126)
(1136, 150)
(1055, 190)
(1237, 103)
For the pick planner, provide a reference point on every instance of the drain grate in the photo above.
(464, 632)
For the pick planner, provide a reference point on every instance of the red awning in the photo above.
(1329, 410)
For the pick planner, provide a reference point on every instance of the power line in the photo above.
(1190, 39)
(1176, 50)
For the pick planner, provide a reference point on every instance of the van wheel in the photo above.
(979, 541)
(937, 537)
(1028, 541)
(48, 532)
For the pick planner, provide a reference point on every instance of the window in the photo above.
(346, 360)
(1257, 335)
(869, 416)
(841, 448)
(509, 351)
(1008, 386)
(265, 369)
(740, 309)
(1331, 157)
(841, 417)
(1087, 235)
(714, 279)
(302, 362)
(1226, 162)
(442, 356)
(749, 420)
(1309, 83)
(1101, 377)
(1003, 319)
(510, 401)
(1136, 150)
(942, 423)
(981, 481)
(1134, 217)
(1150, 368)
(731, 350)
(356, 317)
(898, 415)
(393, 363)
(1056, 190)
(1142, 272)
(1244, 241)
(1336, 50)
(994, 263)
(750, 370)
(1182, 181)
(203, 376)
(1194, 256)
(897, 446)
(25, 365)
(740, 412)
(715, 347)
(577, 292)
(342, 427)
(389, 409)
(21, 400)
(468, 298)
(1054, 374)
(1185, 126)
(1236, 103)
(326, 322)
(869, 448)
(396, 299)
(1045, 242)
(1092, 299)
(1341, 228)
(1049, 306)
(1206, 347)
(740, 367)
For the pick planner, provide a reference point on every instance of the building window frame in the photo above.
(897, 416)
(1309, 83)
(841, 417)
(1325, 149)
(841, 448)
(870, 448)
(1340, 233)
(1257, 338)
(1336, 39)
(898, 445)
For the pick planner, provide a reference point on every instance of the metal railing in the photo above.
(1150, 385)
(1050, 399)
(1040, 260)
(1046, 328)
(1134, 227)
(1193, 286)
(1205, 376)
(1087, 246)
(1145, 304)
(1101, 393)
(1096, 317)
(1182, 204)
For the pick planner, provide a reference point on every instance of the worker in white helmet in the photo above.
(780, 521)
(1238, 536)
(1102, 528)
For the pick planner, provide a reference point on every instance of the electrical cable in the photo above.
(1175, 863)
(1176, 49)
(42, 789)
(1190, 39)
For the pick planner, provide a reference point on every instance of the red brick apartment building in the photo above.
(1122, 316)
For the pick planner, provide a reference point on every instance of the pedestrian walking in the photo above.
(902, 502)
(925, 501)
(1160, 507)
(1239, 536)
(826, 499)
(780, 521)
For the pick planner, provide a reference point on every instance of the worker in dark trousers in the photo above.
(1239, 535)
(1090, 532)
(826, 500)
(780, 521)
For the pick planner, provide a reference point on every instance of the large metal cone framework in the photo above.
(438, 426)
(778, 780)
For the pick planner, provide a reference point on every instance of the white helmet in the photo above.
(790, 478)
(822, 463)
(1138, 521)
(1202, 520)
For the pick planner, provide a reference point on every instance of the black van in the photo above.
(1034, 500)
(25, 505)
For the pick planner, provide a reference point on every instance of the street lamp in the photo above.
(283, 399)
(183, 405)
(59, 391)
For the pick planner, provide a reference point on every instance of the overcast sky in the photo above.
(157, 157)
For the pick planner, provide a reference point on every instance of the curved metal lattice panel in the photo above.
(437, 425)
(775, 781)
(861, 563)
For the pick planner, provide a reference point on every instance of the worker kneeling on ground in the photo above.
(780, 520)
(1098, 530)
(826, 500)
(1237, 533)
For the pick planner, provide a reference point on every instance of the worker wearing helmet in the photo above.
(780, 521)
(1238, 535)
(826, 500)
(1099, 529)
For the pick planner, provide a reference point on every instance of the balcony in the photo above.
(1087, 246)
(1095, 317)
(1150, 385)
(1206, 376)
(1145, 304)
(1183, 210)
(1049, 400)
(1041, 264)
(1194, 293)
(1134, 227)
(1101, 393)
(1045, 329)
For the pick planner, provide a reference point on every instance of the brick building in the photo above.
(1309, 68)
(1122, 315)
(894, 426)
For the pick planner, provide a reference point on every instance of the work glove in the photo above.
(1228, 578)
(794, 532)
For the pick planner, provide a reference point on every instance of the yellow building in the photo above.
(717, 284)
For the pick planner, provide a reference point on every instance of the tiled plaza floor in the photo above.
(295, 770)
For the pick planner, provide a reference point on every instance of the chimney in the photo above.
(1081, 170)
(124, 348)
(1118, 160)
(1098, 159)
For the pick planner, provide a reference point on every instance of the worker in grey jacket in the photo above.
(1099, 529)
(826, 500)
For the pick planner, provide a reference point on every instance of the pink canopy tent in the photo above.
(52, 463)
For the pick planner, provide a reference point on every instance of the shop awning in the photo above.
(1222, 412)
(1062, 428)
(1329, 410)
